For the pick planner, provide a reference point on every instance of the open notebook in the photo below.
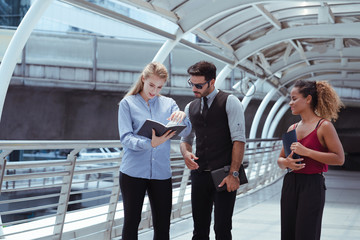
(160, 128)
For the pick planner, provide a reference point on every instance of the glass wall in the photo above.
(12, 11)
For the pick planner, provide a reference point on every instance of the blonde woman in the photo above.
(145, 164)
(303, 191)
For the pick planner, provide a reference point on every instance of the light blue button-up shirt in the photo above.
(140, 159)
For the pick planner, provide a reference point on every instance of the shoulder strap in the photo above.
(319, 123)
(295, 125)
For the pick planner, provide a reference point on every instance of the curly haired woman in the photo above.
(303, 191)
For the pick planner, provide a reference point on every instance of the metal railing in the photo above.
(78, 197)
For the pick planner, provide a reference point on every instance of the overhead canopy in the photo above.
(278, 41)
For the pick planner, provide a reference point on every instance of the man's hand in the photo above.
(232, 183)
(190, 158)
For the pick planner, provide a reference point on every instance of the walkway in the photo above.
(257, 215)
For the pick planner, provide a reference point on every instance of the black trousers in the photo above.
(160, 197)
(203, 197)
(302, 205)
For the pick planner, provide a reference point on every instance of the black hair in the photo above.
(203, 68)
(307, 88)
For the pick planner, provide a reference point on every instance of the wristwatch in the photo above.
(235, 174)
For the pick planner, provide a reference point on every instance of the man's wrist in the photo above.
(234, 174)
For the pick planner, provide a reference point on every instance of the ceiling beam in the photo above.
(331, 54)
(118, 17)
(318, 68)
(149, 7)
(264, 63)
(338, 77)
(325, 14)
(308, 31)
(215, 41)
(207, 52)
(276, 23)
(191, 18)
(266, 14)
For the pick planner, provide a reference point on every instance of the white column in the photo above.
(17, 44)
(248, 97)
(167, 47)
(222, 75)
(259, 113)
(270, 116)
(277, 119)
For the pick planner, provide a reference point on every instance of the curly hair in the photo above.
(325, 101)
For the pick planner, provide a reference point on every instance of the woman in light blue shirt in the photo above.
(146, 162)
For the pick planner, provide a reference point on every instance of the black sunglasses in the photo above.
(198, 85)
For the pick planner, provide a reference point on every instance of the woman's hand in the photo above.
(177, 116)
(294, 164)
(299, 149)
(156, 141)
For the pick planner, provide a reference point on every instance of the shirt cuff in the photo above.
(146, 143)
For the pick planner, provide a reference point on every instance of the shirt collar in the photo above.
(152, 100)
(212, 95)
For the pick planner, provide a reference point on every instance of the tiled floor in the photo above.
(257, 215)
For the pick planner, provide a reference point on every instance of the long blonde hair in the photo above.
(153, 68)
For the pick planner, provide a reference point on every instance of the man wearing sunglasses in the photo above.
(218, 123)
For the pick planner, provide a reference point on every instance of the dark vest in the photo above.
(213, 139)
